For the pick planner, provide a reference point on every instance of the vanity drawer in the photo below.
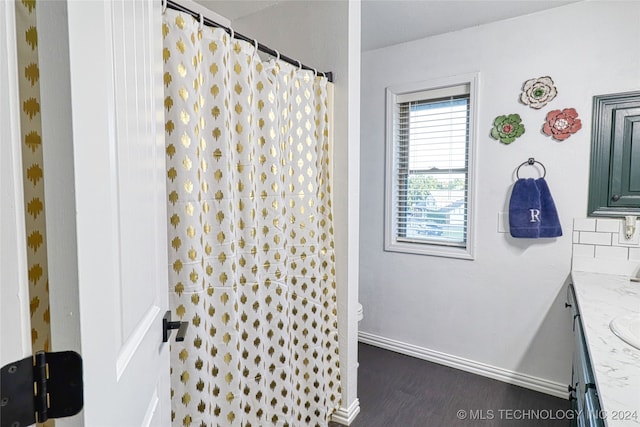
(583, 384)
(593, 412)
(585, 372)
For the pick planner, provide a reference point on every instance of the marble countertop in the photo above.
(616, 365)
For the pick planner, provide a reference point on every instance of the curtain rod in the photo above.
(176, 6)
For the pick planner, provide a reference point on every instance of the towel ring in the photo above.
(530, 162)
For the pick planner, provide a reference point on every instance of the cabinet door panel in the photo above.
(625, 157)
(634, 164)
(614, 179)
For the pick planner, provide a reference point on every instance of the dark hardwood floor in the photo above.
(401, 391)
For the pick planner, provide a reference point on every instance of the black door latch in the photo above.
(168, 325)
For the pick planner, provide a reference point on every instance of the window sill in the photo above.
(429, 249)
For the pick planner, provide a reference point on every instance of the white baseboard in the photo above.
(345, 416)
(511, 377)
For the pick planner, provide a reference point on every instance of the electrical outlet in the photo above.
(503, 222)
(622, 238)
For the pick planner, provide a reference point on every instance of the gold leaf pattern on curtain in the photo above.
(32, 161)
(251, 257)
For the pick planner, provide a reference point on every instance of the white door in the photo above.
(15, 342)
(103, 146)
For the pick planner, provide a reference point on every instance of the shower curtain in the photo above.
(251, 251)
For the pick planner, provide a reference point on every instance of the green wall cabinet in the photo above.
(614, 183)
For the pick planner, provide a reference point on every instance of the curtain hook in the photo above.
(233, 34)
(315, 72)
(277, 56)
(299, 65)
(201, 26)
(164, 6)
(256, 45)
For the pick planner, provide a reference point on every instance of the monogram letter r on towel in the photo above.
(535, 215)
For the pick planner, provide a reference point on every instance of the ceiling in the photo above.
(235, 9)
(389, 22)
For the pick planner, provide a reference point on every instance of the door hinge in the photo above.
(40, 387)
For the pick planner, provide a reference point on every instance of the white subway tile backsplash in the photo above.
(610, 225)
(599, 246)
(612, 252)
(584, 224)
(593, 238)
(587, 251)
(621, 267)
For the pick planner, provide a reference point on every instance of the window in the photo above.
(429, 168)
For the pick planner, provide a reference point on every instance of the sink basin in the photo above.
(627, 328)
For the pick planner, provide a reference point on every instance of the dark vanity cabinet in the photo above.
(583, 391)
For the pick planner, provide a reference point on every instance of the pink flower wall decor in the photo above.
(560, 125)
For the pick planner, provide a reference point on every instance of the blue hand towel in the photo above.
(524, 209)
(532, 212)
(549, 222)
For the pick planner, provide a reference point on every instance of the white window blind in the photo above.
(429, 168)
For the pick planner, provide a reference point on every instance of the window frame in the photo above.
(392, 242)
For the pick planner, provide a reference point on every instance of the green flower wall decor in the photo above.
(507, 128)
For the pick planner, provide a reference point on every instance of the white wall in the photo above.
(505, 309)
(326, 35)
